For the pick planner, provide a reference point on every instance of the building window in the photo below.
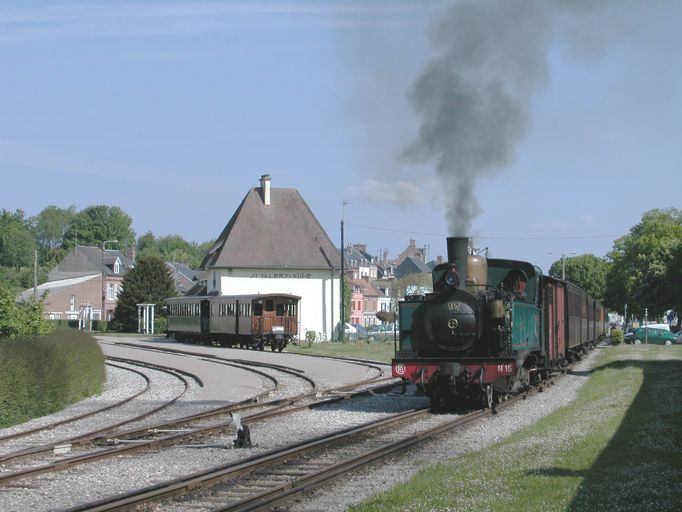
(117, 266)
(110, 291)
(72, 303)
(55, 316)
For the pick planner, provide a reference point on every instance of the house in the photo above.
(411, 265)
(357, 305)
(87, 278)
(274, 244)
(360, 262)
(412, 251)
(369, 301)
(184, 277)
(67, 299)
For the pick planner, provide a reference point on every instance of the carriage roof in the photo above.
(254, 296)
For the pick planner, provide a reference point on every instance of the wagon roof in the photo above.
(283, 234)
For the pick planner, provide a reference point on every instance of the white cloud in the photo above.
(127, 20)
(399, 193)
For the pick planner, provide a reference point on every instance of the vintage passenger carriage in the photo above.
(252, 321)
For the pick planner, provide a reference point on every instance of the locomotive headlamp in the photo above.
(452, 278)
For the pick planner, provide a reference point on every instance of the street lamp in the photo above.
(563, 265)
(104, 292)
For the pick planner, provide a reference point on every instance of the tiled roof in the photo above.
(83, 260)
(53, 285)
(411, 265)
(182, 269)
(284, 234)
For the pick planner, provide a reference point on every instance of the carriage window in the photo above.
(258, 309)
(291, 309)
(280, 310)
(269, 305)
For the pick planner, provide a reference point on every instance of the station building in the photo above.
(274, 244)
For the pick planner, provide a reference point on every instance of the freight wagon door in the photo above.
(550, 320)
(560, 322)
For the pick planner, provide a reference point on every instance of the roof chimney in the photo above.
(265, 188)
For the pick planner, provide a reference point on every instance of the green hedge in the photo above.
(41, 375)
(97, 325)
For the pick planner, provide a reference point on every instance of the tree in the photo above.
(149, 282)
(95, 224)
(673, 282)
(421, 282)
(17, 242)
(9, 314)
(347, 299)
(640, 264)
(51, 224)
(172, 248)
(20, 320)
(587, 271)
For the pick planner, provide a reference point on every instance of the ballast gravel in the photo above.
(114, 476)
(375, 478)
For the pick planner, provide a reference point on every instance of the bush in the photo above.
(64, 324)
(617, 337)
(42, 374)
(100, 325)
(160, 324)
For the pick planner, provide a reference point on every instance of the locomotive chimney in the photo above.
(265, 188)
(458, 252)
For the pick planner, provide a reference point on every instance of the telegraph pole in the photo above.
(342, 324)
(35, 275)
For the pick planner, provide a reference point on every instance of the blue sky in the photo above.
(173, 109)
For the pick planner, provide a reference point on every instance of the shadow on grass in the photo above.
(641, 466)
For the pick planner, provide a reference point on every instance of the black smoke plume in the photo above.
(474, 98)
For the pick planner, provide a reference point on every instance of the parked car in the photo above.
(384, 329)
(347, 329)
(360, 329)
(679, 336)
(651, 335)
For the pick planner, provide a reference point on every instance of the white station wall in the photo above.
(319, 308)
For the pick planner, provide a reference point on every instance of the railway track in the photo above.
(290, 478)
(266, 480)
(34, 443)
(263, 481)
(112, 441)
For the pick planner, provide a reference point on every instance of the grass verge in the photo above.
(375, 350)
(618, 446)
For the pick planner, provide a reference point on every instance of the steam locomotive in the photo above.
(491, 328)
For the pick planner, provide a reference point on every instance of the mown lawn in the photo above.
(375, 350)
(618, 446)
